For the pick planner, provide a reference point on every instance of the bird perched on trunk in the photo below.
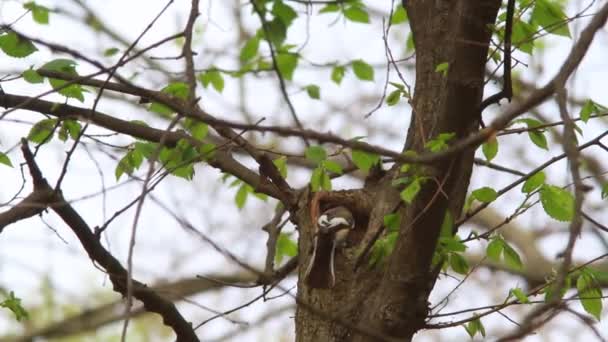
(333, 227)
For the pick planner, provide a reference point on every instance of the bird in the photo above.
(333, 226)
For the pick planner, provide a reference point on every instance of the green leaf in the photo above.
(399, 15)
(287, 63)
(459, 263)
(69, 127)
(110, 52)
(520, 295)
(356, 14)
(213, 77)
(409, 193)
(329, 8)
(66, 66)
(363, 71)
(539, 139)
(16, 46)
(32, 76)
(313, 91)
(364, 160)
(447, 226)
(199, 130)
(177, 89)
(42, 131)
(605, 190)
(325, 181)
(475, 326)
(588, 109)
(393, 98)
(316, 179)
(4, 159)
(337, 74)
(522, 36)
(485, 194)
(550, 16)
(281, 165)
(276, 31)
(241, 196)
(442, 68)
(490, 148)
(284, 12)
(250, 49)
(557, 202)
(589, 293)
(440, 143)
(494, 249)
(315, 153)
(40, 14)
(332, 166)
(392, 222)
(452, 244)
(533, 182)
(285, 247)
(14, 304)
(512, 259)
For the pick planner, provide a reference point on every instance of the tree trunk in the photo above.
(392, 301)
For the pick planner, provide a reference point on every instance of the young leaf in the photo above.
(285, 247)
(42, 131)
(363, 71)
(284, 12)
(409, 193)
(364, 160)
(16, 46)
(512, 259)
(213, 77)
(392, 221)
(14, 304)
(494, 249)
(589, 293)
(110, 52)
(337, 74)
(459, 263)
(276, 31)
(316, 179)
(332, 166)
(557, 202)
(241, 196)
(325, 181)
(533, 182)
(250, 49)
(442, 68)
(485, 194)
(490, 148)
(32, 76)
(287, 63)
(399, 15)
(588, 108)
(315, 153)
(313, 91)
(439, 143)
(281, 165)
(539, 139)
(40, 14)
(4, 159)
(66, 66)
(356, 14)
(393, 98)
(550, 16)
(520, 295)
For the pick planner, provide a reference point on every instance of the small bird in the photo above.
(333, 227)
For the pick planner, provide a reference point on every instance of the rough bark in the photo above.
(392, 301)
